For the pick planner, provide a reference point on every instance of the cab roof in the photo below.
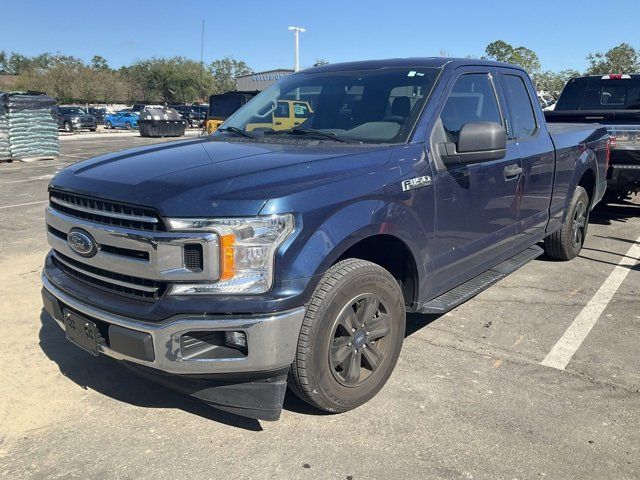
(411, 62)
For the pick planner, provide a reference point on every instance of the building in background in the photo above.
(260, 80)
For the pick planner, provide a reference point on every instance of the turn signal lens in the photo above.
(227, 257)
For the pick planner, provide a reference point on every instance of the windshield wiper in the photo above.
(310, 131)
(237, 130)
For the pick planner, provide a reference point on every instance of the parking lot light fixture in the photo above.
(296, 31)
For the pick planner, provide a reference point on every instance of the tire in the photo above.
(127, 125)
(67, 127)
(317, 375)
(92, 129)
(566, 243)
(108, 125)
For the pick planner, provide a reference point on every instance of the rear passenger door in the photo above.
(527, 129)
(476, 203)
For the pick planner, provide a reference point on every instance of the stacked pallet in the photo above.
(32, 125)
(5, 152)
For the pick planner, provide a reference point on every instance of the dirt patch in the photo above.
(33, 392)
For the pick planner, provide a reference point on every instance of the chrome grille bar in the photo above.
(133, 286)
(104, 213)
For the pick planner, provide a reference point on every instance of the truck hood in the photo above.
(205, 177)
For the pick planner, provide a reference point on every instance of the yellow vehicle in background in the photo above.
(223, 105)
(286, 115)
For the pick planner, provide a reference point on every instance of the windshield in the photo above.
(369, 106)
(224, 107)
(595, 93)
(72, 111)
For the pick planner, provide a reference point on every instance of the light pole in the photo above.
(296, 31)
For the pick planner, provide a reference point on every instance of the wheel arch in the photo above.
(370, 230)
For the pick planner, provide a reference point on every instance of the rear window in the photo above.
(224, 107)
(597, 94)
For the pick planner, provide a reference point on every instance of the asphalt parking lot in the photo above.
(537, 377)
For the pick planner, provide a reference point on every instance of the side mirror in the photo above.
(477, 142)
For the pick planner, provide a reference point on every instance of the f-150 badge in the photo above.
(417, 182)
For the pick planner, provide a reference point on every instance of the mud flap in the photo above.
(254, 395)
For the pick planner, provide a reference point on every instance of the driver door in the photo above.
(476, 203)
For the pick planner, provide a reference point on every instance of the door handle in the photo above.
(512, 171)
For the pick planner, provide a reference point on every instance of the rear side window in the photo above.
(572, 94)
(523, 119)
(471, 100)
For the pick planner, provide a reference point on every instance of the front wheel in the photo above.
(68, 127)
(566, 243)
(351, 337)
(127, 125)
(108, 125)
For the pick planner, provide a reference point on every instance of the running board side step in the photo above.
(474, 286)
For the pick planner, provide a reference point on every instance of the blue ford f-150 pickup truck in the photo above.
(231, 265)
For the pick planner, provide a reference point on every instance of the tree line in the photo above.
(620, 59)
(181, 80)
(155, 80)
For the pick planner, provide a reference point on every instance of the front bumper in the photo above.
(84, 124)
(271, 339)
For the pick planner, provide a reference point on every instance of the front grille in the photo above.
(125, 252)
(135, 287)
(105, 212)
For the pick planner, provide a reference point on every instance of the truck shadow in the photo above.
(607, 213)
(108, 377)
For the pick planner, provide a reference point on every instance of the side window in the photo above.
(522, 116)
(471, 100)
(300, 110)
(282, 110)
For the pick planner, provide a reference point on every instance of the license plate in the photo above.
(82, 332)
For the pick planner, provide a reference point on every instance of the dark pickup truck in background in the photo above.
(75, 118)
(192, 114)
(232, 265)
(613, 101)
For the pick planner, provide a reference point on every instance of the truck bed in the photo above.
(567, 135)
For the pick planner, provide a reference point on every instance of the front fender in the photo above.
(306, 257)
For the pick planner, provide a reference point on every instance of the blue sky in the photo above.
(562, 32)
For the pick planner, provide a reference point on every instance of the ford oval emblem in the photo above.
(82, 242)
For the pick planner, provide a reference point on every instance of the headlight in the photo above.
(247, 251)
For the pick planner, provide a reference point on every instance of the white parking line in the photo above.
(563, 350)
(23, 204)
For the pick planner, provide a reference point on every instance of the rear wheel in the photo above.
(566, 243)
(108, 125)
(351, 337)
(127, 125)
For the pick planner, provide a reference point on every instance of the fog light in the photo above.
(235, 339)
